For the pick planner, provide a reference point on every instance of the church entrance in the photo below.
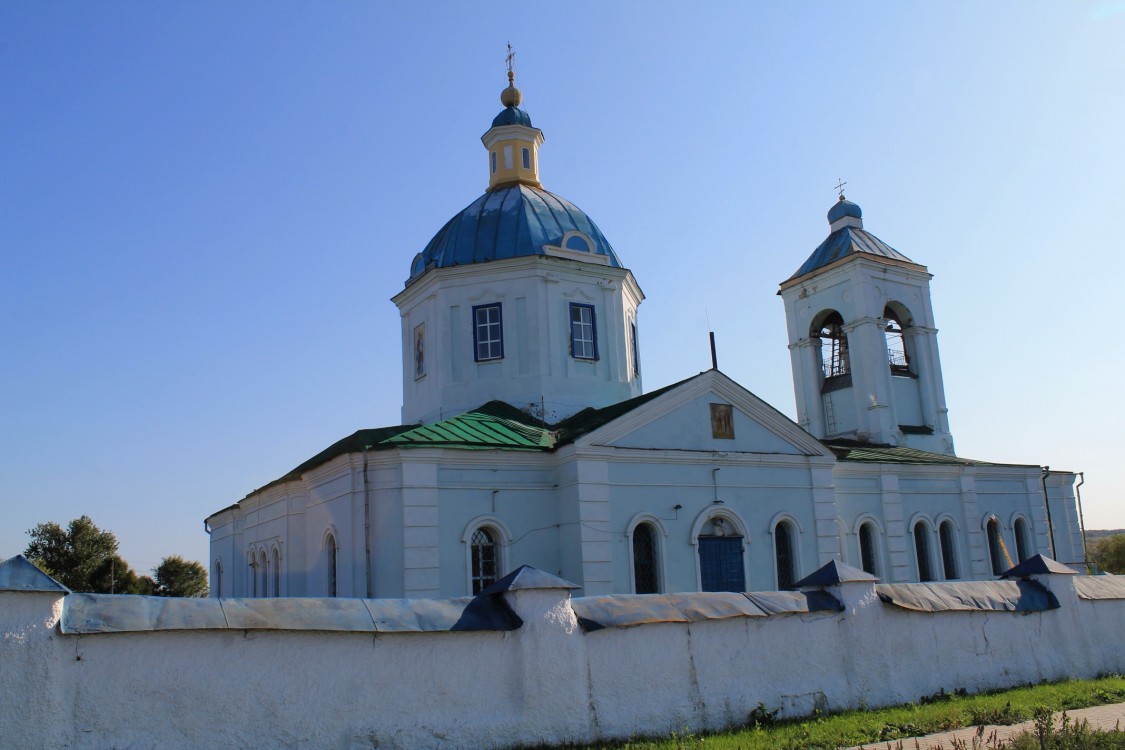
(720, 563)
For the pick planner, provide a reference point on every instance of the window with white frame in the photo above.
(330, 565)
(869, 548)
(1023, 539)
(276, 572)
(996, 551)
(922, 551)
(646, 579)
(484, 553)
(947, 536)
(636, 349)
(488, 332)
(583, 332)
(785, 552)
(263, 574)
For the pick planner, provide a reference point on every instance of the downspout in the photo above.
(367, 527)
(1047, 503)
(1082, 519)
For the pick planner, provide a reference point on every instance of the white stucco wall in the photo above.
(546, 682)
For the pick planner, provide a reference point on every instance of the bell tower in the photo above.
(863, 342)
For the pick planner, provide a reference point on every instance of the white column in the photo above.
(806, 385)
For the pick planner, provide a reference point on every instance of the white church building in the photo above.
(527, 437)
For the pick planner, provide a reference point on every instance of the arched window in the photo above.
(720, 556)
(485, 554)
(868, 548)
(833, 346)
(948, 536)
(263, 573)
(995, 547)
(276, 572)
(330, 564)
(253, 573)
(218, 578)
(922, 551)
(785, 553)
(646, 579)
(1023, 539)
(896, 343)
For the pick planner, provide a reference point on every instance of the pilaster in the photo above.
(895, 523)
(420, 554)
(980, 566)
(594, 527)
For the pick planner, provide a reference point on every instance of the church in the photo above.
(527, 437)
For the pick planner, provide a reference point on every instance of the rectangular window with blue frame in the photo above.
(583, 332)
(488, 332)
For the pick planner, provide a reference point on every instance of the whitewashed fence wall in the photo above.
(545, 682)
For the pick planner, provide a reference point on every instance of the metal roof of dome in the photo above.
(512, 116)
(511, 222)
(842, 208)
(848, 241)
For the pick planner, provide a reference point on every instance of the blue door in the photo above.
(720, 563)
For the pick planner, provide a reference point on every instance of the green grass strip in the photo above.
(936, 713)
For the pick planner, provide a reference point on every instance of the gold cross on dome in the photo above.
(511, 58)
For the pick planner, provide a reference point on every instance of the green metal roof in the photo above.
(495, 425)
(850, 450)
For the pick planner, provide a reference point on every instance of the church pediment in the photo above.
(709, 412)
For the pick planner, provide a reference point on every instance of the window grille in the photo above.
(922, 552)
(488, 332)
(896, 343)
(644, 560)
(867, 549)
(948, 550)
(786, 558)
(583, 340)
(484, 559)
(834, 347)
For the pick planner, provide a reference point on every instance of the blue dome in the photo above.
(512, 222)
(843, 208)
(512, 116)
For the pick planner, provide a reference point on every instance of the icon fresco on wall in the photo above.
(722, 421)
(419, 350)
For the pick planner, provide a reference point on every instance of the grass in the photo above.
(936, 713)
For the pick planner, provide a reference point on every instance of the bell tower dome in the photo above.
(518, 298)
(863, 342)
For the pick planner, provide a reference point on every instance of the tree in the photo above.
(81, 557)
(1110, 554)
(176, 576)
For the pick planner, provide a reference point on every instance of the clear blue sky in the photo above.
(205, 208)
